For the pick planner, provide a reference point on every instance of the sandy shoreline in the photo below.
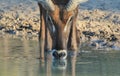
(98, 21)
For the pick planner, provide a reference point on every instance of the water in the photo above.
(19, 57)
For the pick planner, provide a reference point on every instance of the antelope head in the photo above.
(60, 18)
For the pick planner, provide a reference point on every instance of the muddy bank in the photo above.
(100, 28)
(98, 21)
(19, 17)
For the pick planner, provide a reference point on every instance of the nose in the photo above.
(59, 54)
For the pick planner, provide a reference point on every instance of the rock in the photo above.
(86, 18)
(26, 27)
(1, 27)
(19, 29)
(93, 44)
(113, 38)
(11, 31)
(88, 33)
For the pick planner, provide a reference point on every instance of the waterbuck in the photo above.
(58, 26)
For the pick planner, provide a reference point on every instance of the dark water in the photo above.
(19, 57)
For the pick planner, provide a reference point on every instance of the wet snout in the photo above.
(59, 54)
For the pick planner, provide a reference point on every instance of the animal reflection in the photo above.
(61, 67)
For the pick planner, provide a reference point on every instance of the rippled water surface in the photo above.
(19, 57)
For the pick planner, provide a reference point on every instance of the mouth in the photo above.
(59, 54)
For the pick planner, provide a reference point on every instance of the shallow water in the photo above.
(19, 57)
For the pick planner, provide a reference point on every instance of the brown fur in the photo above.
(50, 40)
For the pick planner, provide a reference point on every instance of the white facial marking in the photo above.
(67, 24)
(53, 26)
(60, 51)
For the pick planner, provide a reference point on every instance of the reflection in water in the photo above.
(17, 68)
(19, 58)
(53, 67)
(72, 63)
(59, 64)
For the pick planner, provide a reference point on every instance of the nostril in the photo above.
(62, 54)
(55, 54)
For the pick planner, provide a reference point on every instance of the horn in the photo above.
(47, 4)
(72, 4)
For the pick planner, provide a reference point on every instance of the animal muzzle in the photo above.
(59, 54)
